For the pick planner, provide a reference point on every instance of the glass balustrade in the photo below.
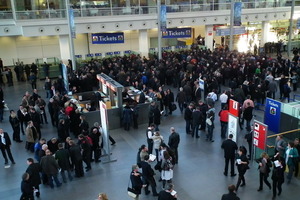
(54, 9)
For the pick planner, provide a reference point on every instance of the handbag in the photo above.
(173, 107)
(208, 121)
(131, 192)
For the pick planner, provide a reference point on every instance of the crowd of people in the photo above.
(249, 79)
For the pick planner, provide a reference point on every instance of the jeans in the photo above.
(210, 129)
(50, 180)
(195, 130)
(63, 175)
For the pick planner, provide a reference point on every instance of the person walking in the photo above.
(231, 195)
(248, 115)
(50, 168)
(34, 170)
(149, 134)
(230, 148)
(223, 114)
(26, 188)
(278, 174)
(188, 118)
(197, 117)
(76, 158)
(264, 165)
(242, 165)
(5, 144)
(181, 99)
(148, 176)
(291, 159)
(168, 193)
(15, 124)
(174, 140)
(31, 136)
(86, 148)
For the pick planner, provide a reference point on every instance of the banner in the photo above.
(272, 115)
(107, 38)
(237, 19)
(177, 33)
(163, 18)
(72, 23)
(226, 31)
(234, 107)
(260, 135)
(298, 23)
(232, 126)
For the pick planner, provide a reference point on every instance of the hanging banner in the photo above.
(237, 19)
(272, 114)
(260, 135)
(234, 107)
(177, 33)
(163, 18)
(107, 38)
(72, 23)
(298, 23)
(232, 126)
(65, 77)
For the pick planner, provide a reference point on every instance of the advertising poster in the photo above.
(260, 135)
(234, 107)
(232, 126)
(163, 18)
(272, 115)
(237, 19)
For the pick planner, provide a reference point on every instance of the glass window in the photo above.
(5, 5)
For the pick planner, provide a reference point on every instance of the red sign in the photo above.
(260, 131)
(234, 107)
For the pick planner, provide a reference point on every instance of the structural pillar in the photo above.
(144, 42)
(265, 26)
(64, 48)
(209, 36)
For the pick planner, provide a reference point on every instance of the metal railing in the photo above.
(94, 10)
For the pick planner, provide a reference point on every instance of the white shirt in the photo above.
(223, 98)
(213, 96)
(3, 139)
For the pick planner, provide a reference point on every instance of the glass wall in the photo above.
(5, 9)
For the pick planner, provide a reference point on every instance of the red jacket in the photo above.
(224, 115)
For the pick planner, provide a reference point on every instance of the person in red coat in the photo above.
(223, 114)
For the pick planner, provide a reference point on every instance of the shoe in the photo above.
(88, 169)
(212, 140)
(243, 184)
(13, 162)
(113, 143)
(259, 189)
(225, 174)
(279, 193)
(6, 163)
(270, 187)
(232, 175)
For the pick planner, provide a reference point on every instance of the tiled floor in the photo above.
(199, 174)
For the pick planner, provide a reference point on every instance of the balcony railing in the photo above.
(135, 10)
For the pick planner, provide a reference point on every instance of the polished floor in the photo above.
(199, 174)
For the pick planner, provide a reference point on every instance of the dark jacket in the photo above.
(49, 165)
(229, 147)
(75, 153)
(63, 158)
(7, 141)
(247, 114)
(34, 170)
(197, 117)
(148, 172)
(230, 196)
(188, 114)
(174, 140)
(165, 195)
(27, 191)
(136, 182)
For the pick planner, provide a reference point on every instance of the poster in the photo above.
(232, 126)
(237, 19)
(234, 107)
(260, 135)
(272, 115)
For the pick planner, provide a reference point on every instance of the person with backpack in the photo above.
(167, 168)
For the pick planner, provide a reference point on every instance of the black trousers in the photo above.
(16, 133)
(241, 179)
(263, 177)
(78, 168)
(5, 150)
(226, 165)
(277, 185)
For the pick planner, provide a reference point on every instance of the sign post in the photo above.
(233, 118)
(105, 133)
(260, 131)
(272, 115)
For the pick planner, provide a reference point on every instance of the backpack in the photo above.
(89, 140)
(168, 165)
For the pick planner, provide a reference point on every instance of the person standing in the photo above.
(174, 140)
(26, 188)
(196, 120)
(63, 158)
(85, 145)
(248, 115)
(167, 168)
(5, 144)
(34, 170)
(224, 99)
(127, 117)
(224, 114)
(148, 174)
(210, 118)
(157, 140)
(297, 146)
(167, 194)
(149, 134)
(188, 118)
(231, 195)
(249, 138)
(280, 145)
(76, 158)
(278, 175)
(291, 156)
(95, 135)
(136, 181)
(15, 124)
(242, 165)
(181, 99)
(264, 165)
(50, 168)
(229, 147)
